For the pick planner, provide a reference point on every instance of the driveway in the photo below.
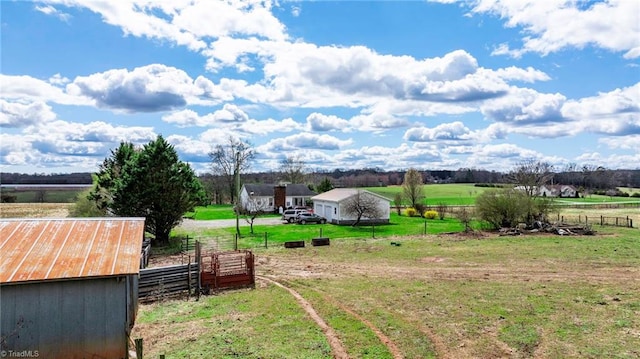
(189, 224)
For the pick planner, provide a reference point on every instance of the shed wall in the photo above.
(88, 318)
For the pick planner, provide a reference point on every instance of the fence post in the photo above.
(265, 240)
(199, 261)
(602, 220)
(189, 279)
(139, 352)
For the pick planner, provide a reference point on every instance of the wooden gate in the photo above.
(231, 269)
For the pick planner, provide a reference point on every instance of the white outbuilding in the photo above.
(331, 205)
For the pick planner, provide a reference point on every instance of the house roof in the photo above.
(267, 190)
(46, 249)
(260, 190)
(340, 194)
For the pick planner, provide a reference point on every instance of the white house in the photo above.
(557, 190)
(272, 197)
(554, 190)
(331, 205)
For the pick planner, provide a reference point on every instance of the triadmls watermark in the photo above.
(19, 354)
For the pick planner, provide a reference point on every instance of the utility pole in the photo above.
(237, 173)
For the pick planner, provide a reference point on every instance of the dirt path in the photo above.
(391, 346)
(339, 352)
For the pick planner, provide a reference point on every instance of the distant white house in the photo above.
(556, 190)
(331, 205)
(273, 197)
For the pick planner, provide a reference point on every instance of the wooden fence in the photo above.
(164, 282)
(601, 220)
(212, 271)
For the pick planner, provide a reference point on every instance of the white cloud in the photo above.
(525, 106)
(550, 26)
(186, 118)
(27, 88)
(455, 131)
(144, 89)
(50, 10)
(186, 23)
(631, 142)
(322, 123)
(304, 140)
(17, 114)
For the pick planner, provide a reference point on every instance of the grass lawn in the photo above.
(278, 234)
(434, 296)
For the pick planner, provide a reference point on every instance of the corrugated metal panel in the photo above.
(43, 249)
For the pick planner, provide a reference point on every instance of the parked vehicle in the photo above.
(305, 218)
(290, 215)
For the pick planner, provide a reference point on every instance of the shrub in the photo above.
(430, 214)
(420, 209)
(442, 209)
(507, 208)
(410, 212)
(635, 195)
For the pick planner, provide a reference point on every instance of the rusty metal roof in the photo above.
(44, 249)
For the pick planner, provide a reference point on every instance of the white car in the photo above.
(290, 215)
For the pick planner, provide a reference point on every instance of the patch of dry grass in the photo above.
(35, 210)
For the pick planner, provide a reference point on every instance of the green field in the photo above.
(49, 195)
(456, 194)
(435, 296)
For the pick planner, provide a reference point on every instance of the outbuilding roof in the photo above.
(340, 194)
(46, 249)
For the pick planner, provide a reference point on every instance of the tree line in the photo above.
(152, 182)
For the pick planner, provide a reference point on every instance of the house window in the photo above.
(270, 201)
(335, 210)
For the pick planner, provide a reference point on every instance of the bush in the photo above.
(509, 207)
(410, 212)
(636, 195)
(430, 214)
(84, 207)
(420, 209)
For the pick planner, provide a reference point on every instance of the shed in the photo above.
(69, 287)
(330, 205)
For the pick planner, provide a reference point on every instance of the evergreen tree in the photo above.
(150, 182)
(324, 186)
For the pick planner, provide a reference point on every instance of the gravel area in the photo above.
(222, 223)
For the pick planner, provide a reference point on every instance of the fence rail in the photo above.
(162, 282)
(601, 220)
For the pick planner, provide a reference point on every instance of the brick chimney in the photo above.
(280, 197)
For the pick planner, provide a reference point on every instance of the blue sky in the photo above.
(391, 84)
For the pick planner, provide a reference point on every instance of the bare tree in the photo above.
(229, 161)
(465, 216)
(254, 208)
(293, 169)
(441, 208)
(412, 187)
(362, 205)
(531, 175)
(397, 201)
